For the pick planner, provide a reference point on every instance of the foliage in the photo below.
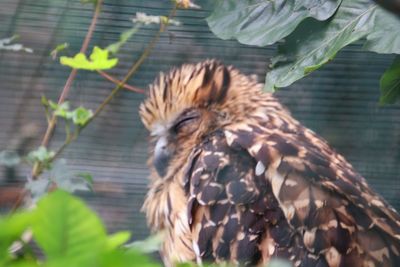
(58, 49)
(6, 44)
(123, 38)
(41, 155)
(68, 233)
(79, 116)
(390, 83)
(98, 60)
(309, 33)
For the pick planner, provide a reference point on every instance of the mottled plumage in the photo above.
(235, 178)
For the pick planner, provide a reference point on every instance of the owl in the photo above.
(236, 179)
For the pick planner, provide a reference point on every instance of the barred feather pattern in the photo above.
(255, 184)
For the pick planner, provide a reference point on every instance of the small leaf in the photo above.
(87, 176)
(41, 155)
(58, 49)
(98, 60)
(390, 83)
(123, 38)
(118, 239)
(38, 188)
(81, 115)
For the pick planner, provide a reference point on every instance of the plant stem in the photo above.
(53, 121)
(117, 88)
(125, 86)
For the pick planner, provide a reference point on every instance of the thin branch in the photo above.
(73, 73)
(116, 81)
(52, 123)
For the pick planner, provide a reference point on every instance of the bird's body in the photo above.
(235, 178)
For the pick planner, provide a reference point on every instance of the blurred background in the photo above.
(339, 101)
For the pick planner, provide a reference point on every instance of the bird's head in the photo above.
(190, 102)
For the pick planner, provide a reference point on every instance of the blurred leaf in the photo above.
(38, 188)
(44, 101)
(98, 60)
(118, 239)
(390, 83)
(151, 244)
(66, 179)
(41, 155)
(66, 229)
(87, 176)
(9, 158)
(120, 258)
(61, 110)
(260, 22)
(123, 38)
(313, 44)
(81, 115)
(11, 229)
(5, 44)
(58, 49)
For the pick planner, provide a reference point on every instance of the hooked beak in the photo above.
(162, 156)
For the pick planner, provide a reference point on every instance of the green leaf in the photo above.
(123, 38)
(61, 110)
(151, 244)
(390, 83)
(98, 60)
(58, 49)
(313, 44)
(11, 229)
(118, 239)
(41, 155)
(66, 179)
(88, 177)
(385, 35)
(67, 229)
(81, 115)
(260, 22)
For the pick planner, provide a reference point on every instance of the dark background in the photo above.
(339, 101)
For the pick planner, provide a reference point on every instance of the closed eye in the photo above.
(185, 119)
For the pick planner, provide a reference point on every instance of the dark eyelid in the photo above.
(184, 118)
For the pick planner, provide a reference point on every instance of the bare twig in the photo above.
(125, 86)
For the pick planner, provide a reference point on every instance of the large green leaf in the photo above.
(66, 229)
(313, 44)
(390, 83)
(260, 22)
